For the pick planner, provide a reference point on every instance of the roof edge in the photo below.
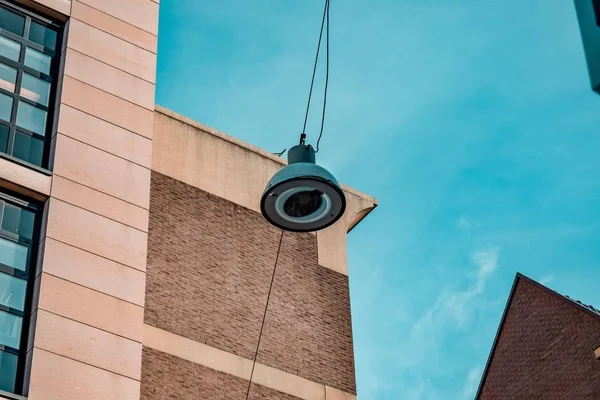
(263, 153)
(562, 297)
(219, 134)
(495, 342)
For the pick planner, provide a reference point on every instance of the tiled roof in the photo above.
(587, 306)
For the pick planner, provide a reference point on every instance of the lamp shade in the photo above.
(303, 196)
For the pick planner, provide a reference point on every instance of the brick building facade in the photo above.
(547, 347)
(132, 239)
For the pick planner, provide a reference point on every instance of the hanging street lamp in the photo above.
(303, 196)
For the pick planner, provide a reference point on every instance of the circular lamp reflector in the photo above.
(303, 196)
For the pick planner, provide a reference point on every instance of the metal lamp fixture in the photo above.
(304, 196)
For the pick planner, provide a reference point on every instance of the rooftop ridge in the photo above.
(593, 311)
(588, 306)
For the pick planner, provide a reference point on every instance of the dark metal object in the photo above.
(303, 196)
(588, 14)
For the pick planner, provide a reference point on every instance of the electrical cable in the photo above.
(326, 80)
(312, 82)
(265, 314)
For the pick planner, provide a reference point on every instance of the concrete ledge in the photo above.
(219, 134)
(23, 180)
(285, 382)
(241, 367)
(335, 394)
(197, 352)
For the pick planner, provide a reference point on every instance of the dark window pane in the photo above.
(12, 292)
(8, 371)
(8, 77)
(3, 138)
(38, 61)
(31, 118)
(18, 220)
(9, 48)
(10, 330)
(12, 22)
(6, 104)
(42, 35)
(28, 149)
(13, 254)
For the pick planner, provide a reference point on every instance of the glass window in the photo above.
(12, 22)
(6, 103)
(35, 89)
(13, 254)
(31, 118)
(8, 77)
(12, 292)
(29, 51)
(10, 330)
(9, 48)
(18, 220)
(28, 148)
(38, 61)
(42, 35)
(3, 138)
(8, 371)
(16, 270)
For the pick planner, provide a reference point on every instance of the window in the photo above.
(29, 59)
(18, 236)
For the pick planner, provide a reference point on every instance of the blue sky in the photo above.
(471, 121)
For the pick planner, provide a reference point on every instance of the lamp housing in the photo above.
(303, 196)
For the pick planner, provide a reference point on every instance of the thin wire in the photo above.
(312, 82)
(265, 314)
(326, 80)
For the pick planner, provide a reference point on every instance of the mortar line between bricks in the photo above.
(264, 315)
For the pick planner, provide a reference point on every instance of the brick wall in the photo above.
(308, 329)
(167, 377)
(258, 392)
(545, 350)
(210, 264)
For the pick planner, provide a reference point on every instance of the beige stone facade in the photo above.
(156, 275)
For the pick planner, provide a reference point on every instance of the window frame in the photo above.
(52, 78)
(596, 9)
(29, 275)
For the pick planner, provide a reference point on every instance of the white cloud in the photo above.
(466, 223)
(486, 261)
(452, 312)
(471, 383)
(463, 223)
(456, 306)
